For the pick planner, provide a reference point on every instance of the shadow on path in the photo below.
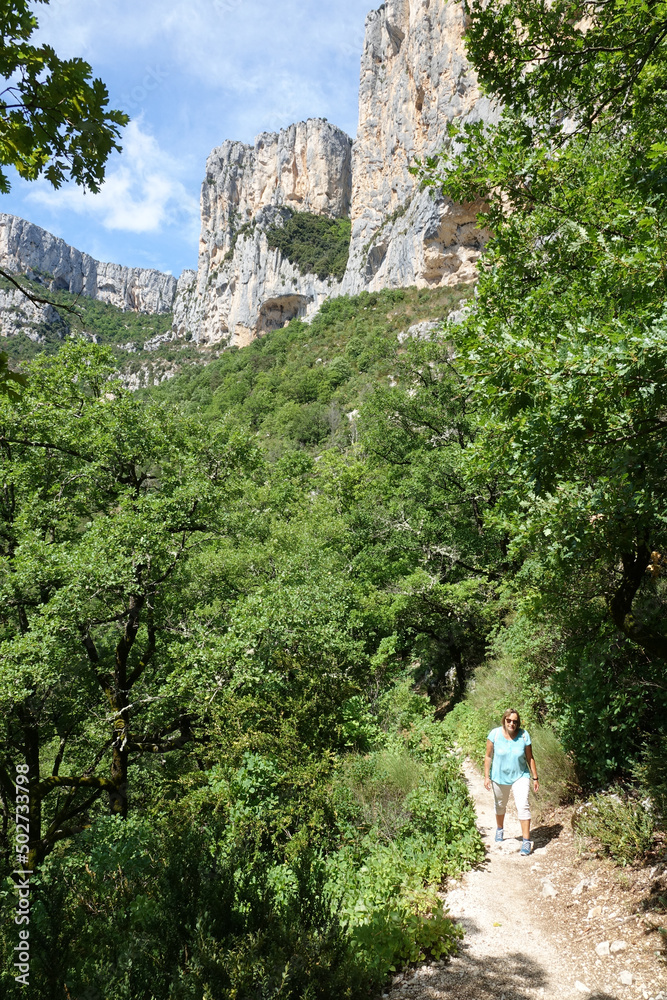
(542, 835)
(515, 976)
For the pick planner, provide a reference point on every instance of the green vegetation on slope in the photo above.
(253, 723)
(237, 791)
(296, 386)
(126, 333)
(566, 347)
(315, 244)
(108, 324)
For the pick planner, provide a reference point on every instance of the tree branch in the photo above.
(59, 756)
(7, 783)
(45, 444)
(148, 654)
(157, 744)
(37, 299)
(128, 638)
(104, 680)
(635, 565)
(67, 814)
(86, 781)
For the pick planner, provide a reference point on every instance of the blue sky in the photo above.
(190, 73)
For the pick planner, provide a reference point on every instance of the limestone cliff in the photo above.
(19, 315)
(27, 249)
(415, 80)
(242, 287)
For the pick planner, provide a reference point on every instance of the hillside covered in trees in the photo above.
(231, 609)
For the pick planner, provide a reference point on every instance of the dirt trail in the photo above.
(522, 942)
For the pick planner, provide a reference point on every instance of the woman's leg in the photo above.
(521, 791)
(501, 794)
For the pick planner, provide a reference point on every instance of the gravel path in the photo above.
(521, 942)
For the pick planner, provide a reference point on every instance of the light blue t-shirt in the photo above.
(509, 756)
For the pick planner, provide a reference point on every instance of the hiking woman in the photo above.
(509, 763)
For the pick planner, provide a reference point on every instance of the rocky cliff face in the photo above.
(27, 249)
(415, 80)
(19, 315)
(243, 288)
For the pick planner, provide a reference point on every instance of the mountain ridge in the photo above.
(414, 82)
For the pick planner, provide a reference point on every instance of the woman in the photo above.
(509, 763)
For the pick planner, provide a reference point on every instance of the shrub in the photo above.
(600, 692)
(309, 425)
(173, 911)
(651, 775)
(316, 244)
(619, 826)
(407, 823)
(379, 785)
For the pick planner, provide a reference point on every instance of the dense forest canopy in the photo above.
(232, 606)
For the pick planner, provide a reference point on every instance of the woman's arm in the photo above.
(532, 765)
(487, 765)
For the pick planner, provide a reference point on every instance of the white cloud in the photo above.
(142, 192)
(239, 46)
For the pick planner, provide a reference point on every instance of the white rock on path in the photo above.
(581, 987)
(626, 978)
(602, 949)
(549, 890)
(617, 946)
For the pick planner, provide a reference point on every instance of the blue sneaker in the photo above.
(525, 848)
(499, 834)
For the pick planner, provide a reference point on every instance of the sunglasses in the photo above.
(512, 722)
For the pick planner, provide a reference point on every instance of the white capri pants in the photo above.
(521, 789)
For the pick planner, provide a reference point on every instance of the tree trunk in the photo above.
(635, 566)
(118, 798)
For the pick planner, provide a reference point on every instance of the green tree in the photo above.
(9, 381)
(566, 343)
(54, 116)
(435, 509)
(592, 63)
(104, 499)
(54, 122)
